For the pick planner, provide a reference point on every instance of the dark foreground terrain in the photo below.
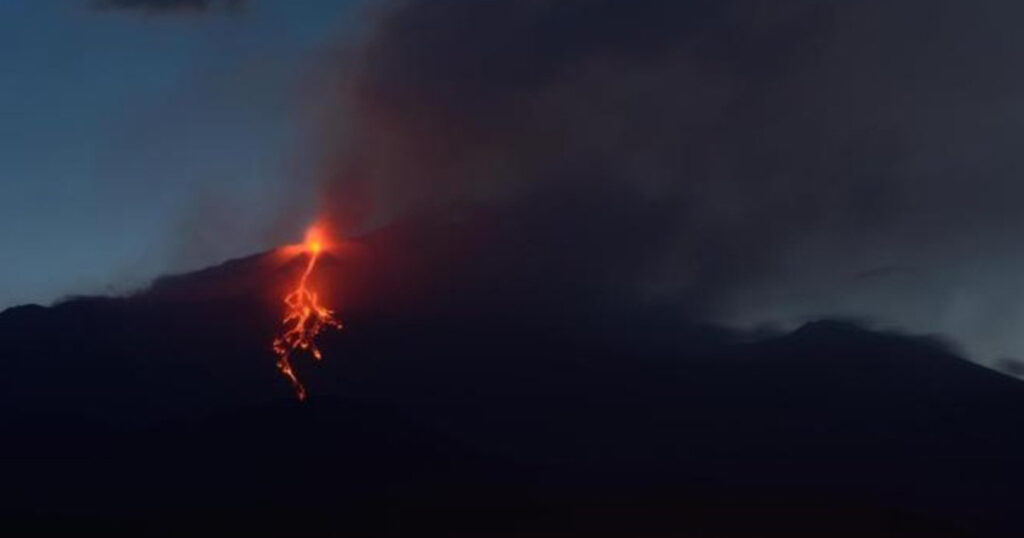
(162, 414)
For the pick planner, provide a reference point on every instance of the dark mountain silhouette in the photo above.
(163, 414)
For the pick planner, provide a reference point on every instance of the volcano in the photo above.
(162, 413)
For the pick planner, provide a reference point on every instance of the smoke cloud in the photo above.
(167, 5)
(736, 161)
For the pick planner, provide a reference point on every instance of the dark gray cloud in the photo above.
(742, 160)
(167, 5)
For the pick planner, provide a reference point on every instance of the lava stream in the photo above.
(304, 318)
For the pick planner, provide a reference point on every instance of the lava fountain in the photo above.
(304, 316)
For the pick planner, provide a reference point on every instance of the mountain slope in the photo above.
(163, 413)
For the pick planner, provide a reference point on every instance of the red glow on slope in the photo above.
(304, 316)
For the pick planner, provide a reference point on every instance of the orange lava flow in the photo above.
(304, 318)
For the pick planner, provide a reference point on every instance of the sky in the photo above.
(135, 143)
(753, 164)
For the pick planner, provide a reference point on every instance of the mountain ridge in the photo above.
(454, 420)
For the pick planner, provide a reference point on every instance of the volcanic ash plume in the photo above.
(730, 160)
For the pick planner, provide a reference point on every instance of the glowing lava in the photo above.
(304, 316)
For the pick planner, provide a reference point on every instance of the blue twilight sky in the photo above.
(133, 143)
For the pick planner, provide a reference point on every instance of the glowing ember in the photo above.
(304, 316)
